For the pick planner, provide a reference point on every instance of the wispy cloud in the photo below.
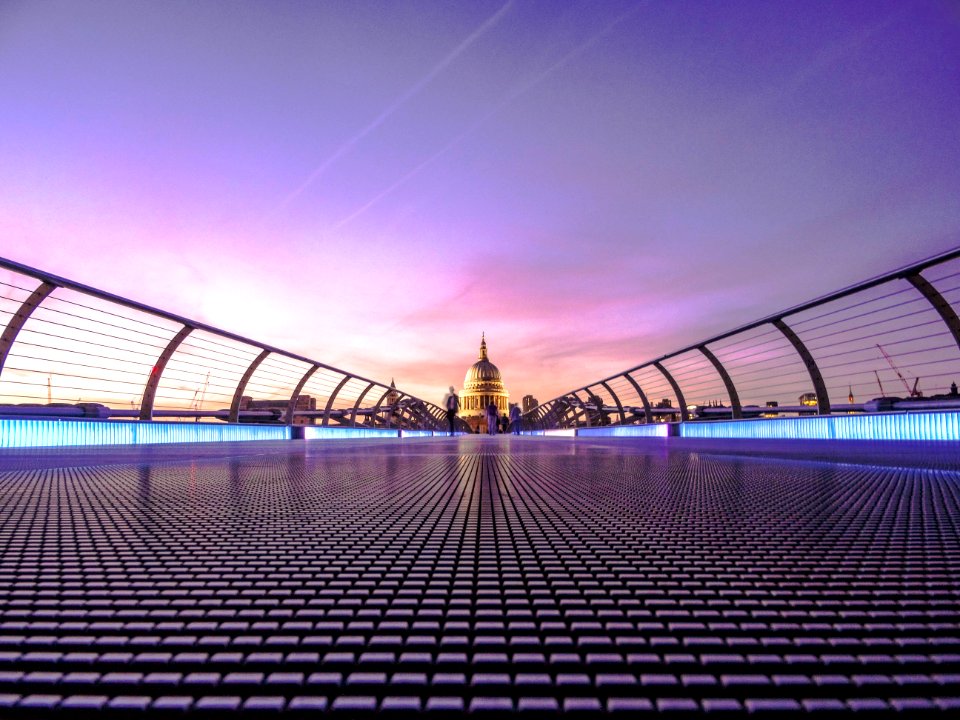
(414, 90)
(518, 91)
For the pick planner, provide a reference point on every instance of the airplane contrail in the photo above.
(497, 107)
(398, 103)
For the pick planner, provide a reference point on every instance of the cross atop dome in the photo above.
(483, 347)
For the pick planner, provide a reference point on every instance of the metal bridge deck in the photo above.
(541, 576)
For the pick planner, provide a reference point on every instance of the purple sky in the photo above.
(373, 184)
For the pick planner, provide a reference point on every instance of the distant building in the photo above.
(481, 386)
(393, 395)
(529, 403)
(666, 404)
(808, 400)
(392, 417)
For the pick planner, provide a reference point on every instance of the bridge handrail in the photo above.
(414, 412)
(604, 403)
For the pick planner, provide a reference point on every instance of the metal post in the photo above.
(356, 405)
(420, 412)
(333, 396)
(735, 408)
(940, 304)
(19, 319)
(150, 390)
(570, 413)
(404, 413)
(242, 385)
(819, 387)
(623, 418)
(295, 396)
(583, 411)
(648, 413)
(684, 416)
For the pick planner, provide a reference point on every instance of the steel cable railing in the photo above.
(69, 350)
(891, 342)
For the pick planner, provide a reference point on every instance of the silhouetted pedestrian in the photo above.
(515, 419)
(451, 402)
(492, 416)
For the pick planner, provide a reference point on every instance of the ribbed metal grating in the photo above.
(542, 576)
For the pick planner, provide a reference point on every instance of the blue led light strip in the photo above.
(311, 432)
(15, 433)
(653, 430)
(920, 426)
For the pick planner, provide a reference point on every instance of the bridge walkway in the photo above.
(539, 575)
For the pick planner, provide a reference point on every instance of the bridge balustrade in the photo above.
(70, 350)
(889, 343)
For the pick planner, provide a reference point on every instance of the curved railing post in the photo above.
(20, 317)
(554, 414)
(648, 413)
(376, 408)
(623, 418)
(295, 395)
(573, 410)
(551, 413)
(420, 408)
(598, 403)
(569, 411)
(736, 410)
(356, 405)
(537, 415)
(582, 411)
(242, 385)
(544, 411)
(819, 387)
(438, 414)
(940, 304)
(333, 396)
(404, 412)
(430, 415)
(684, 415)
(150, 390)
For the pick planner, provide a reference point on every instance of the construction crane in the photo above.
(199, 405)
(911, 392)
(882, 394)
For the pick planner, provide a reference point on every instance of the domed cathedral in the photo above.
(481, 385)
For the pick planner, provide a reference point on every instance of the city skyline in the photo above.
(590, 187)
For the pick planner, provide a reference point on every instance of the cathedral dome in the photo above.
(482, 385)
(483, 373)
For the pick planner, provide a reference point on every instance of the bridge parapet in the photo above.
(70, 350)
(888, 343)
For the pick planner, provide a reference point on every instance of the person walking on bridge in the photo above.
(515, 419)
(493, 418)
(451, 402)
